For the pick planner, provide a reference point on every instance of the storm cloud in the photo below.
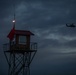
(47, 20)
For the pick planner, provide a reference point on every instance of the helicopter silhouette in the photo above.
(70, 25)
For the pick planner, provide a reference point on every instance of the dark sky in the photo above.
(47, 20)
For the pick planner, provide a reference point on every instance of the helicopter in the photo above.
(70, 25)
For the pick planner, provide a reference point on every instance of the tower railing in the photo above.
(33, 46)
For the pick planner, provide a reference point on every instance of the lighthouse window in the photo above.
(22, 39)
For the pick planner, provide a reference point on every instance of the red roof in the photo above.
(23, 32)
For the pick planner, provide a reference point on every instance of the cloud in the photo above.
(47, 20)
